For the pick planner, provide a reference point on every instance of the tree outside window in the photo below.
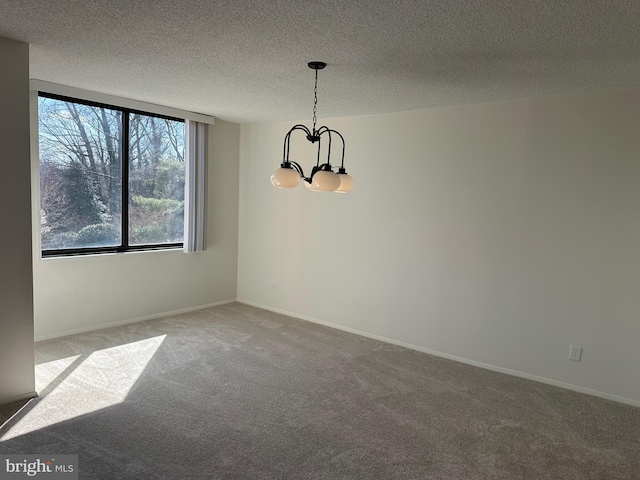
(87, 153)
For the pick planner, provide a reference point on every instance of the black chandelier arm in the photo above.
(318, 156)
(314, 170)
(343, 147)
(299, 126)
(329, 148)
(296, 166)
(324, 129)
(287, 137)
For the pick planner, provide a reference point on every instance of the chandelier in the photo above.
(322, 178)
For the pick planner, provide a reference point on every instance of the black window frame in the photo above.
(124, 246)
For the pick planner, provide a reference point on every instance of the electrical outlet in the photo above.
(273, 286)
(575, 353)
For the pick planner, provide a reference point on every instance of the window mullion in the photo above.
(125, 179)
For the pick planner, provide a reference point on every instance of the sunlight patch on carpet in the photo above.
(79, 385)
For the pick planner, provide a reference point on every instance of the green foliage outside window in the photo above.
(81, 176)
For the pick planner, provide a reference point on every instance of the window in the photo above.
(111, 179)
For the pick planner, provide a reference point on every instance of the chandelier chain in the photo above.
(315, 102)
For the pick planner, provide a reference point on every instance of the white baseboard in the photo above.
(486, 366)
(64, 333)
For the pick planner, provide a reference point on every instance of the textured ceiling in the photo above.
(246, 60)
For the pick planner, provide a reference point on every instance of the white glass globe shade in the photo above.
(346, 183)
(309, 187)
(325, 181)
(285, 178)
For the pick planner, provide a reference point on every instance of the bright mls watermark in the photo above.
(51, 467)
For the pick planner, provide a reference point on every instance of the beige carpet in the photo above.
(235, 392)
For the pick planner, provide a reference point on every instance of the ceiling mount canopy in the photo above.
(317, 65)
(322, 178)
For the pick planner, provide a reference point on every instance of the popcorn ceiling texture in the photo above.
(246, 60)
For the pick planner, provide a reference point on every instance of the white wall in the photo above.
(16, 300)
(85, 292)
(498, 233)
